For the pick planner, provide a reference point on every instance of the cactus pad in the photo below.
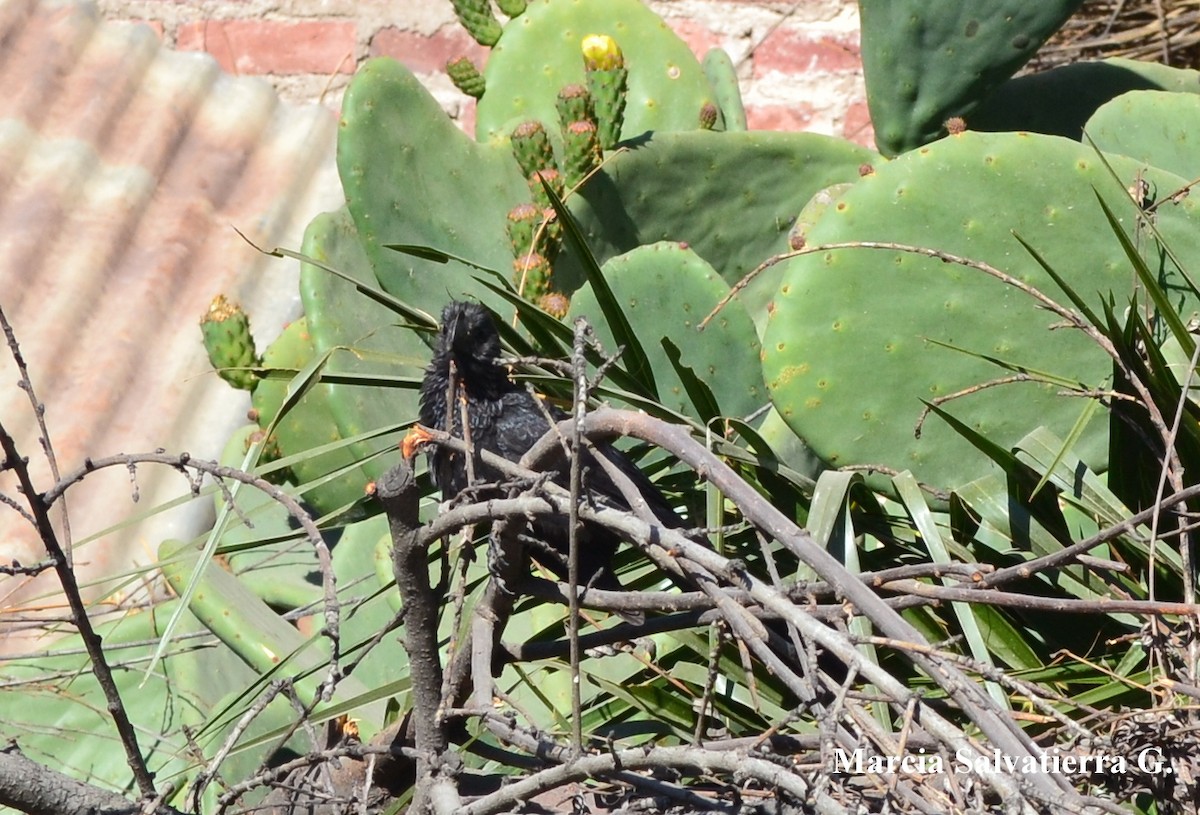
(1155, 127)
(666, 86)
(847, 351)
(928, 60)
(730, 196)
(412, 177)
(666, 289)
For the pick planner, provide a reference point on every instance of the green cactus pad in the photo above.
(249, 627)
(1060, 101)
(928, 60)
(812, 212)
(308, 424)
(732, 197)
(412, 177)
(1159, 128)
(666, 87)
(226, 331)
(363, 340)
(666, 290)
(847, 351)
(722, 75)
(57, 711)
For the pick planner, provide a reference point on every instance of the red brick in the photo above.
(427, 55)
(699, 37)
(779, 117)
(273, 46)
(857, 127)
(793, 52)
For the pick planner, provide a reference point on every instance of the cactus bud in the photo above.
(466, 77)
(574, 104)
(226, 331)
(604, 65)
(531, 147)
(554, 303)
(581, 151)
(511, 8)
(523, 221)
(531, 276)
(708, 116)
(477, 18)
(553, 178)
(955, 125)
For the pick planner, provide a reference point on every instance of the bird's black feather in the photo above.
(506, 419)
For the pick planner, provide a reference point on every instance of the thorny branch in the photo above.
(714, 573)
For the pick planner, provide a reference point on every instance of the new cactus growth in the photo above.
(511, 8)
(477, 18)
(551, 178)
(523, 221)
(531, 276)
(708, 116)
(466, 77)
(556, 304)
(574, 104)
(230, 346)
(531, 148)
(581, 151)
(604, 67)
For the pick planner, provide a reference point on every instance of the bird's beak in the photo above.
(454, 331)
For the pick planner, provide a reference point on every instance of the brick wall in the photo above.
(798, 61)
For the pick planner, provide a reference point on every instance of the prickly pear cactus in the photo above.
(308, 424)
(540, 52)
(364, 346)
(722, 75)
(666, 290)
(56, 709)
(1060, 101)
(851, 347)
(412, 177)
(1154, 127)
(927, 60)
(732, 197)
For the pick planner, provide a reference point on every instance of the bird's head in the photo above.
(469, 337)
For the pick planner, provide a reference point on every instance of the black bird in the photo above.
(506, 419)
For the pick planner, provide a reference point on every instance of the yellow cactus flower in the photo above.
(601, 53)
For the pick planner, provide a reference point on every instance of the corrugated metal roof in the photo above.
(124, 168)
